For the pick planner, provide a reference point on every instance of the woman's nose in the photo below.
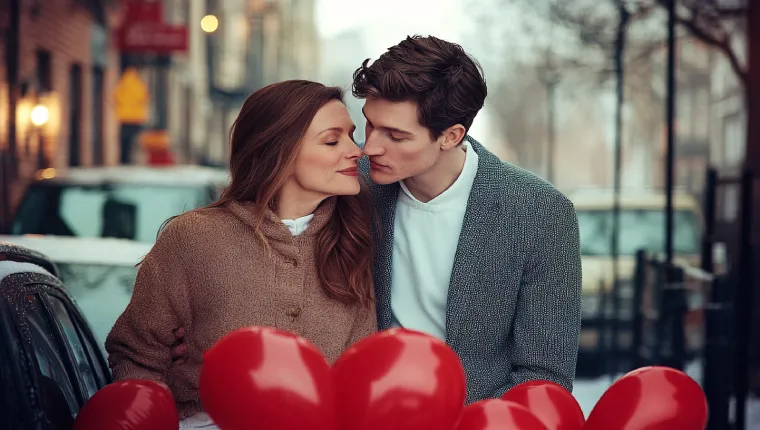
(354, 152)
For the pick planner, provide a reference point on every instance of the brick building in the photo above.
(65, 61)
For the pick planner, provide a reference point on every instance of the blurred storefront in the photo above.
(235, 48)
(86, 79)
(58, 70)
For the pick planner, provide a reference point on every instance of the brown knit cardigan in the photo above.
(209, 273)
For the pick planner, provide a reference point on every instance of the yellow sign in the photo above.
(132, 98)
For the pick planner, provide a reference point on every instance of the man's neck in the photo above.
(429, 185)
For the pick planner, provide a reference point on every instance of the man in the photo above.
(472, 250)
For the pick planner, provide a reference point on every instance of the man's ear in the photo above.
(452, 137)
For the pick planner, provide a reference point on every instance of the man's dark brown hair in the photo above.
(446, 83)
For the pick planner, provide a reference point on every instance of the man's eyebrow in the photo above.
(390, 129)
(397, 130)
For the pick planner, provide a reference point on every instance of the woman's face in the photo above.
(327, 160)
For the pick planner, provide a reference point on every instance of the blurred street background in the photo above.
(115, 115)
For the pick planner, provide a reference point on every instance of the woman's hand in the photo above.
(179, 349)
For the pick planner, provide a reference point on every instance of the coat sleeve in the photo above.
(548, 316)
(139, 344)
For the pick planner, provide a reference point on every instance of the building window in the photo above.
(684, 114)
(75, 114)
(44, 83)
(701, 113)
(44, 70)
(98, 138)
(734, 140)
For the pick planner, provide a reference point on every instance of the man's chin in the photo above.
(382, 178)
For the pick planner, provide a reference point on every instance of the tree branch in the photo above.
(723, 44)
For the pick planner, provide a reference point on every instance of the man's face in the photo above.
(397, 145)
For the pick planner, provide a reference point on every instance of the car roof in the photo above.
(83, 250)
(601, 198)
(15, 258)
(179, 175)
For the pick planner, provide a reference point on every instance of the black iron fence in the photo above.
(685, 320)
(701, 316)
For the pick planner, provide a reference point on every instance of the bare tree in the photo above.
(519, 114)
(703, 20)
(715, 23)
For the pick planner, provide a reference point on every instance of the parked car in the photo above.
(642, 226)
(127, 202)
(50, 364)
(99, 273)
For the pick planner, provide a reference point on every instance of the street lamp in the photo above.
(228, 95)
(42, 120)
(40, 115)
(209, 23)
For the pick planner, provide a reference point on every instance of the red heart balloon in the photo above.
(399, 379)
(264, 378)
(130, 404)
(651, 398)
(553, 405)
(498, 414)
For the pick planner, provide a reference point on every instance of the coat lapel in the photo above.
(384, 197)
(484, 199)
(483, 209)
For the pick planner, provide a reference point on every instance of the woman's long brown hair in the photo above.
(265, 141)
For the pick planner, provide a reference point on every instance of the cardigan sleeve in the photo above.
(139, 344)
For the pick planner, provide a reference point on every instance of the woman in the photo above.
(287, 245)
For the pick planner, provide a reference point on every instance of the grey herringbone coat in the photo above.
(513, 311)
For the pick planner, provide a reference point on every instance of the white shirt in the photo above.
(425, 240)
(298, 225)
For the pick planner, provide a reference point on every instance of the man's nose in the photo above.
(371, 149)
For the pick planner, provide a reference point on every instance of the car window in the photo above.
(129, 211)
(76, 344)
(636, 231)
(57, 391)
(12, 407)
(102, 292)
(102, 373)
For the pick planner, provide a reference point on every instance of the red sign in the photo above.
(160, 157)
(153, 38)
(143, 11)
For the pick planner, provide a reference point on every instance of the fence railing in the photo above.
(669, 322)
(688, 315)
(684, 320)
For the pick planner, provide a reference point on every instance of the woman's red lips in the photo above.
(351, 171)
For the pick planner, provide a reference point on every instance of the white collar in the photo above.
(298, 225)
